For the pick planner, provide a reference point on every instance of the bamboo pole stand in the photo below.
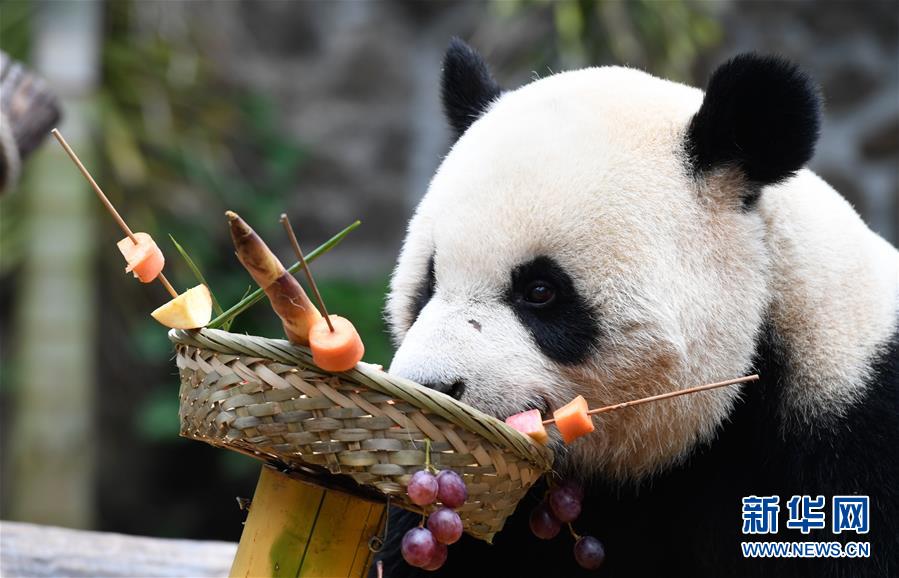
(298, 529)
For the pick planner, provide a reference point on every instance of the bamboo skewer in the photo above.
(106, 203)
(296, 248)
(666, 395)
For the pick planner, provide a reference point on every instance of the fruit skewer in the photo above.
(667, 395)
(574, 420)
(189, 310)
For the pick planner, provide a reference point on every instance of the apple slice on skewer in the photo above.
(190, 310)
(530, 423)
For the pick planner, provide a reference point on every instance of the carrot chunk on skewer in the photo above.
(338, 350)
(572, 419)
(144, 258)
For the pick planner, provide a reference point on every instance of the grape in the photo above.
(446, 525)
(422, 488)
(565, 503)
(418, 547)
(543, 524)
(437, 559)
(574, 487)
(451, 489)
(589, 553)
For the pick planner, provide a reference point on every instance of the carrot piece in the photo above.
(144, 258)
(529, 423)
(287, 297)
(572, 419)
(338, 350)
(190, 310)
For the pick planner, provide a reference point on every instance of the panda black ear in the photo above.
(760, 114)
(467, 87)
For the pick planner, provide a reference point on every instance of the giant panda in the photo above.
(607, 233)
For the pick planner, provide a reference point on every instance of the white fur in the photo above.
(835, 287)
(587, 167)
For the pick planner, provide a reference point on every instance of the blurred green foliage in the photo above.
(15, 29)
(157, 420)
(662, 36)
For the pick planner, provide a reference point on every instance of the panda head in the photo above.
(594, 233)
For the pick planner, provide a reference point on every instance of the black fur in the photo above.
(565, 330)
(453, 389)
(687, 522)
(760, 114)
(425, 291)
(467, 87)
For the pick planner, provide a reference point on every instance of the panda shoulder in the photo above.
(835, 293)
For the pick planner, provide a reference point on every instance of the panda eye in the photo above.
(539, 293)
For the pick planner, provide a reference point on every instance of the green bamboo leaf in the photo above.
(258, 294)
(196, 271)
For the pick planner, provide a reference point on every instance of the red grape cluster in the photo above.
(426, 547)
(562, 505)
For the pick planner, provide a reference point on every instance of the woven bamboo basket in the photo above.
(363, 430)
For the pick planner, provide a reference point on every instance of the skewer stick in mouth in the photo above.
(296, 248)
(106, 203)
(666, 395)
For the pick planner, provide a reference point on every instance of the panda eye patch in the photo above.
(548, 304)
(539, 293)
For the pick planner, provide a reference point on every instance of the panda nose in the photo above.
(453, 389)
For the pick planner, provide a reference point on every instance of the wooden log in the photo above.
(49, 552)
(297, 529)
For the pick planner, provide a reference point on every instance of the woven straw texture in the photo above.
(265, 398)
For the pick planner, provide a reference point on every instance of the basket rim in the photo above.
(372, 377)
